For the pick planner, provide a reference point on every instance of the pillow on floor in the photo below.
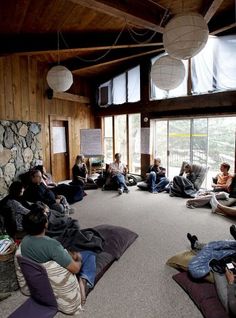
(181, 260)
(61, 281)
(117, 239)
(204, 296)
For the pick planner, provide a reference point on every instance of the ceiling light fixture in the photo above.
(185, 35)
(59, 78)
(167, 72)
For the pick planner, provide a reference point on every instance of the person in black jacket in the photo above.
(38, 191)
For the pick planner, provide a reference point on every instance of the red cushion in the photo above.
(203, 294)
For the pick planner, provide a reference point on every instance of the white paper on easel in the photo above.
(59, 139)
(91, 142)
(145, 140)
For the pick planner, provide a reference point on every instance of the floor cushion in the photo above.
(143, 185)
(117, 238)
(181, 260)
(203, 294)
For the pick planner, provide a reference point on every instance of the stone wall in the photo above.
(20, 150)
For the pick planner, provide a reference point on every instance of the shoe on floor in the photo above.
(120, 191)
(192, 239)
(232, 230)
(126, 190)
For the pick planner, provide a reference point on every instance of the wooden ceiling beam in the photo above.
(32, 44)
(90, 49)
(113, 61)
(222, 23)
(211, 10)
(223, 29)
(137, 13)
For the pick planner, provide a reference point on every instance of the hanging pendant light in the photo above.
(59, 78)
(167, 72)
(185, 35)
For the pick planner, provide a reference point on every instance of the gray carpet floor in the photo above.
(140, 285)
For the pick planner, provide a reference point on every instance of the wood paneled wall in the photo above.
(23, 97)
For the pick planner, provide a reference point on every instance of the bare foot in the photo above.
(82, 285)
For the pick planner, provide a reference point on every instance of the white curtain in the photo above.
(119, 89)
(214, 68)
(134, 84)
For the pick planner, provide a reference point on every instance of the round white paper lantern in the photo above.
(185, 35)
(167, 72)
(59, 78)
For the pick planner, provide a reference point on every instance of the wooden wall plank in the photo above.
(2, 91)
(7, 79)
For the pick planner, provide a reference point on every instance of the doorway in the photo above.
(60, 148)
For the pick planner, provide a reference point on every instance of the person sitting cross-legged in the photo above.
(41, 248)
(117, 171)
(156, 177)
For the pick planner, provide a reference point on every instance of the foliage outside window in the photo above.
(108, 139)
(126, 140)
(207, 141)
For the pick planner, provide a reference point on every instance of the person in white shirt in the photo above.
(118, 170)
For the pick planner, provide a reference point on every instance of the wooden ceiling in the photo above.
(98, 38)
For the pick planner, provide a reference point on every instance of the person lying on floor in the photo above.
(183, 185)
(156, 177)
(117, 171)
(38, 191)
(41, 248)
(222, 190)
(225, 282)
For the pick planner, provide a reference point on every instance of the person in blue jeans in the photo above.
(117, 171)
(41, 248)
(156, 177)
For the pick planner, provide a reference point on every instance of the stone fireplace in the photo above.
(20, 150)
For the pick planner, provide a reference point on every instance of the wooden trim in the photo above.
(223, 102)
(68, 120)
(136, 15)
(212, 9)
(71, 97)
(223, 29)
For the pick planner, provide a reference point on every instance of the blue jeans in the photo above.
(120, 180)
(88, 268)
(153, 186)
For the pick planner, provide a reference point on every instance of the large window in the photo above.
(108, 139)
(121, 89)
(126, 140)
(208, 141)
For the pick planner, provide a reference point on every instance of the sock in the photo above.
(192, 239)
(214, 203)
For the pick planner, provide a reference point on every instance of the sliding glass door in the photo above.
(207, 141)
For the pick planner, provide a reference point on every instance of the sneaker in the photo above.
(126, 190)
(192, 239)
(120, 191)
